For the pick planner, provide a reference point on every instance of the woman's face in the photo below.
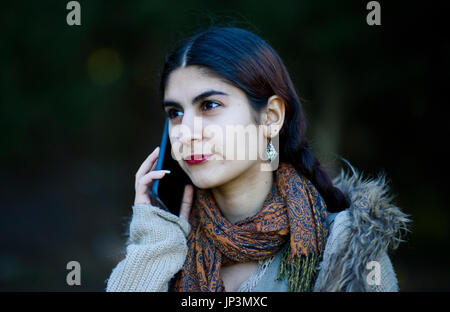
(215, 136)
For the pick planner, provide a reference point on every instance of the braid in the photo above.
(310, 166)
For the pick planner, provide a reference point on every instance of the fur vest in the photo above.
(361, 236)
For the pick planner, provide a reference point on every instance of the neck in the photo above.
(244, 196)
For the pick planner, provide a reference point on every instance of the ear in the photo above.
(273, 116)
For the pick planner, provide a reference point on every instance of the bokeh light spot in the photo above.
(104, 66)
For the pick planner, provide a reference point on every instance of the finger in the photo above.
(152, 175)
(155, 163)
(186, 204)
(148, 163)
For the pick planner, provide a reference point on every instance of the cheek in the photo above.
(244, 143)
(238, 140)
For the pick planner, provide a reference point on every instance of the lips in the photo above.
(196, 159)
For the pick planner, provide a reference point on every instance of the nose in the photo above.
(191, 129)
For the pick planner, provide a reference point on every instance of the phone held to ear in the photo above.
(168, 191)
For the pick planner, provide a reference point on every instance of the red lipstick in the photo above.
(196, 159)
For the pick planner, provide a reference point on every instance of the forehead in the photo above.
(187, 82)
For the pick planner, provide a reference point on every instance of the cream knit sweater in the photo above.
(156, 251)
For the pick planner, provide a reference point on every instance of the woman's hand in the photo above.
(144, 178)
(187, 202)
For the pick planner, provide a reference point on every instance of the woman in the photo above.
(249, 229)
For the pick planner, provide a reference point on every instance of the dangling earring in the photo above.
(271, 152)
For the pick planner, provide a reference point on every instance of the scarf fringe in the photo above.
(302, 270)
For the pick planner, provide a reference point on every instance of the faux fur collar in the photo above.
(373, 224)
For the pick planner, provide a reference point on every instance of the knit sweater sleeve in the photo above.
(155, 251)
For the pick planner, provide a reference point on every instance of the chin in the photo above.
(207, 175)
(202, 184)
(216, 173)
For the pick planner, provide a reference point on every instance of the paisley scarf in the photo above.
(293, 212)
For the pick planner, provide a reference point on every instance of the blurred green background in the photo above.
(80, 112)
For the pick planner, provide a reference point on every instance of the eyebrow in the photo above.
(198, 98)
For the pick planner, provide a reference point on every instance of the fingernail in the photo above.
(166, 171)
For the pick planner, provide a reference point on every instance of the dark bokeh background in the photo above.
(80, 112)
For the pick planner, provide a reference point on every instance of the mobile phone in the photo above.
(168, 191)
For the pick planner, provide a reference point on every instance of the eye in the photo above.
(209, 105)
(174, 113)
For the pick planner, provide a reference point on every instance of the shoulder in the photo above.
(361, 234)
